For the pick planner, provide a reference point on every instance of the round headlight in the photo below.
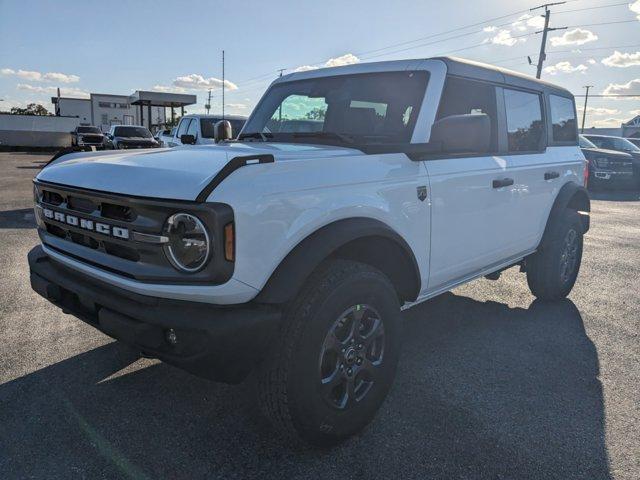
(189, 246)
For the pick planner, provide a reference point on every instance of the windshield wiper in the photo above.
(344, 138)
(260, 135)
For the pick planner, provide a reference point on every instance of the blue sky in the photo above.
(118, 47)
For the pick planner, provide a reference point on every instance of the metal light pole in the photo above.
(584, 112)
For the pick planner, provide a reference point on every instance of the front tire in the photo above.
(553, 269)
(335, 356)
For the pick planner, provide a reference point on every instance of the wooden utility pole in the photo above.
(584, 112)
(547, 16)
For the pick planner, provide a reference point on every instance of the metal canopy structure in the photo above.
(160, 99)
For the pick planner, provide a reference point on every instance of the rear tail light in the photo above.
(586, 173)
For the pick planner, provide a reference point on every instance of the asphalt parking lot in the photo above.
(492, 384)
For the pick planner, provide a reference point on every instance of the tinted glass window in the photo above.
(89, 130)
(132, 132)
(363, 108)
(182, 128)
(464, 97)
(207, 126)
(585, 143)
(563, 119)
(193, 128)
(524, 121)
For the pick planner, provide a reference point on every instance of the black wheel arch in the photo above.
(360, 239)
(573, 196)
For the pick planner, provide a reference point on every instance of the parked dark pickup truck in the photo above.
(87, 136)
(607, 168)
(130, 136)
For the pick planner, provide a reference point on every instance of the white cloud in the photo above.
(198, 82)
(565, 67)
(60, 77)
(527, 21)
(577, 36)
(632, 87)
(634, 112)
(168, 89)
(592, 61)
(305, 68)
(600, 111)
(72, 92)
(489, 29)
(622, 60)
(34, 76)
(608, 122)
(241, 106)
(635, 7)
(503, 37)
(346, 59)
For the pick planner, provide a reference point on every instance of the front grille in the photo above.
(98, 228)
(95, 139)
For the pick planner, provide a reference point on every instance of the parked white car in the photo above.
(352, 192)
(163, 136)
(199, 129)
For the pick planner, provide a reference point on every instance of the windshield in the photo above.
(132, 132)
(361, 109)
(584, 143)
(207, 126)
(614, 143)
(89, 130)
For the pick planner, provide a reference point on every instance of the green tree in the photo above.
(315, 114)
(31, 109)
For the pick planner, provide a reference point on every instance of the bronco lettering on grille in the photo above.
(102, 228)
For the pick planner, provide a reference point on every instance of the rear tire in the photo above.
(335, 356)
(553, 269)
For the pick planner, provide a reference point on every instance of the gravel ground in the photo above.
(492, 384)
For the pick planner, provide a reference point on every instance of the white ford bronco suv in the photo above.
(351, 193)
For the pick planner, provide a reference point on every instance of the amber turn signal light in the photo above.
(229, 242)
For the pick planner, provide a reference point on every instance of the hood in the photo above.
(608, 153)
(179, 173)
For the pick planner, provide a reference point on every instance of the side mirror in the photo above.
(222, 131)
(187, 139)
(463, 133)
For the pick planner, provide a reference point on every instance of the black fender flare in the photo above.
(308, 254)
(571, 195)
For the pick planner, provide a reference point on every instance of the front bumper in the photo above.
(613, 178)
(222, 343)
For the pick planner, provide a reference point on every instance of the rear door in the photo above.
(542, 159)
(471, 196)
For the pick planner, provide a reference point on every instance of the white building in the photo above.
(141, 108)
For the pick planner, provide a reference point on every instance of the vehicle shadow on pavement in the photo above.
(615, 195)
(483, 391)
(19, 218)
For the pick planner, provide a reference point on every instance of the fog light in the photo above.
(171, 336)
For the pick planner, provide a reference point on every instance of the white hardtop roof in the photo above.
(455, 66)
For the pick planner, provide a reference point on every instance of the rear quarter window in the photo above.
(563, 119)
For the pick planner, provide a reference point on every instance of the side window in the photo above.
(525, 127)
(182, 128)
(193, 128)
(563, 119)
(463, 96)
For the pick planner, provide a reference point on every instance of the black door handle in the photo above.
(551, 175)
(505, 182)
